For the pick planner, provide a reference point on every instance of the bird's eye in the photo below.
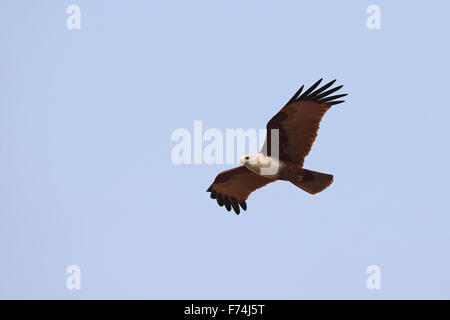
(247, 158)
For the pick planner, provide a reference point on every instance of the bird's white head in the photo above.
(255, 161)
(249, 159)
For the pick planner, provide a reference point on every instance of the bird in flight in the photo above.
(290, 135)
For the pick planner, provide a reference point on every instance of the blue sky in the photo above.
(86, 176)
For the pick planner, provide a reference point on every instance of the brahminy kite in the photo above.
(290, 136)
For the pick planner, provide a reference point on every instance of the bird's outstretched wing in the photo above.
(232, 187)
(298, 121)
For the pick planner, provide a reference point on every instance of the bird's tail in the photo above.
(314, 182)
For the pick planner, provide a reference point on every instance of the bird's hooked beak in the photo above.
(245, 160)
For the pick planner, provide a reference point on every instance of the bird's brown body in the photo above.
(292, 172)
